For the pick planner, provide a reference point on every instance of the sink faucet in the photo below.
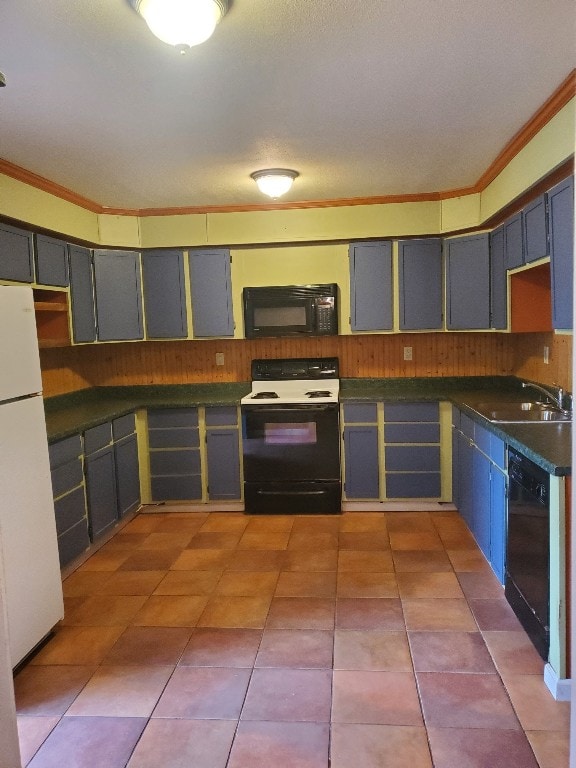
(557, 399)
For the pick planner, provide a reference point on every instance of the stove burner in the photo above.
(318, 393)
(263, 395)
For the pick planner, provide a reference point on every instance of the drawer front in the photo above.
(124, 426)
(175, 462)
(73, 542)
(65, 450)
(173, 438)
(66, 477)
(165, 418)
(411, 411)
(413, 485)
(97, 437)
(413, 458)
(360, 413)
(221, 416)
(176, 488)
(412, 433)
(70, 509)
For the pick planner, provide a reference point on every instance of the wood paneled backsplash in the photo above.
(174, 362)
(528, 359)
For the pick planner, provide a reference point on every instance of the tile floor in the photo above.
(223, 641)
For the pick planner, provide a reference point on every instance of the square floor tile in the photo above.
(150, 560)
(513, 653)
(263, 540)
(215, 540)
(170, 743)
(535, 706)
(302, 584)
(166, 540)
(358, 584)
(202, 560)
(450, 652)
(49, 690)
(363, 522)
(127, 691)
(424, 585)
(145, 523)
(105, 560)
(552, 748)
(188, 583)
(78, 645)
(247, 583)
(409, 522)
(148, 645)
(480, 584)
(214, 693)
(171, 611)
(371, 650)
(225, 522)
(293, 745)
(365, 561)
(289, 694)
(421, 561)
(301, 613)
(423, 540)
(298, 648)
(468, 560)
(369, 613)
(308, 560)
(85, 583)
(311, 540)
(131, 583)
(270, 524)
(465, 701)
(363, 541)
(316, 524)
(494, 614)
(478, 748)
(384, 698)
(379, 746)
(90, 742)
(181, 523)
(221, 647)
(105, 611)
(256, 560)
(242, 612)
(438, 614)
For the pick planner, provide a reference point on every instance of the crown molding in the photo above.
(561, 96)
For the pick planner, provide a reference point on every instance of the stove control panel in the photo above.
(295, 368)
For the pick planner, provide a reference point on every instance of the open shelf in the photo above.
(52, 325)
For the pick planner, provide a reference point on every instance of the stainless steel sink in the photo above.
(512, 412)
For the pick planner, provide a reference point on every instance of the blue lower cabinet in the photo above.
(69, 498)
(127, 474)
(100, 473)
(175, 466)
(481, 502)
(498, 523)
(361, 462)
(73, 542)
(413, 485)
(223, 459)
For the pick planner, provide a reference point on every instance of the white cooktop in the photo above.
(293, 392)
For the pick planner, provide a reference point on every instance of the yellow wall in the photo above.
(549, 148)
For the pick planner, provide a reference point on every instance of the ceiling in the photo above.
(364, 99)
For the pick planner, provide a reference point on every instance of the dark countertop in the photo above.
(549, 444)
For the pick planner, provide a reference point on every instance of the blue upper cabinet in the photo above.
(420, 276)
(16, 254)
(468, 282)
(535, 224)
(51, 261)
(118, 295)
(561, 219)
(211, 288)
(498, 281)
(82, 294)
(164, 294)
(371, 286)
(514, 241)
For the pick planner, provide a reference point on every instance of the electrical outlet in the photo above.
(546, 355)
(219, 358)
(407, 353)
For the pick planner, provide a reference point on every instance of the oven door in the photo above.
(291, 442)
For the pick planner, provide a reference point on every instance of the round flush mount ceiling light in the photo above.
(181, 23)
(274, 182)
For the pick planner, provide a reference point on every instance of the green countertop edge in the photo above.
(548, 445)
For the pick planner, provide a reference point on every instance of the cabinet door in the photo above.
(514, 242)
(118, 295)
(223, 456)
(101, 491)
(164, 294)
(127, 474)
(498, 281)
(16, 254)
(498, 522)
(420, 275)
(82, 294)
(561, 213)
(468, 282)
(51, 261)
(361, 462)
(535, 222)
(481, 502)
(211, 289)
(466, 472)
(371, 286)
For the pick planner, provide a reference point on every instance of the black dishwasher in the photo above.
(527, 586)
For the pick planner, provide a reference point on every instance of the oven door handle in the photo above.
(260, 492)
(289, 407)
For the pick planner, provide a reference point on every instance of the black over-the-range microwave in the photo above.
(291, 310)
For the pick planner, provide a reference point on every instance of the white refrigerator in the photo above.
(29, 555)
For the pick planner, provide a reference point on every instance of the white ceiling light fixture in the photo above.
(274, 182)
(181, 23)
